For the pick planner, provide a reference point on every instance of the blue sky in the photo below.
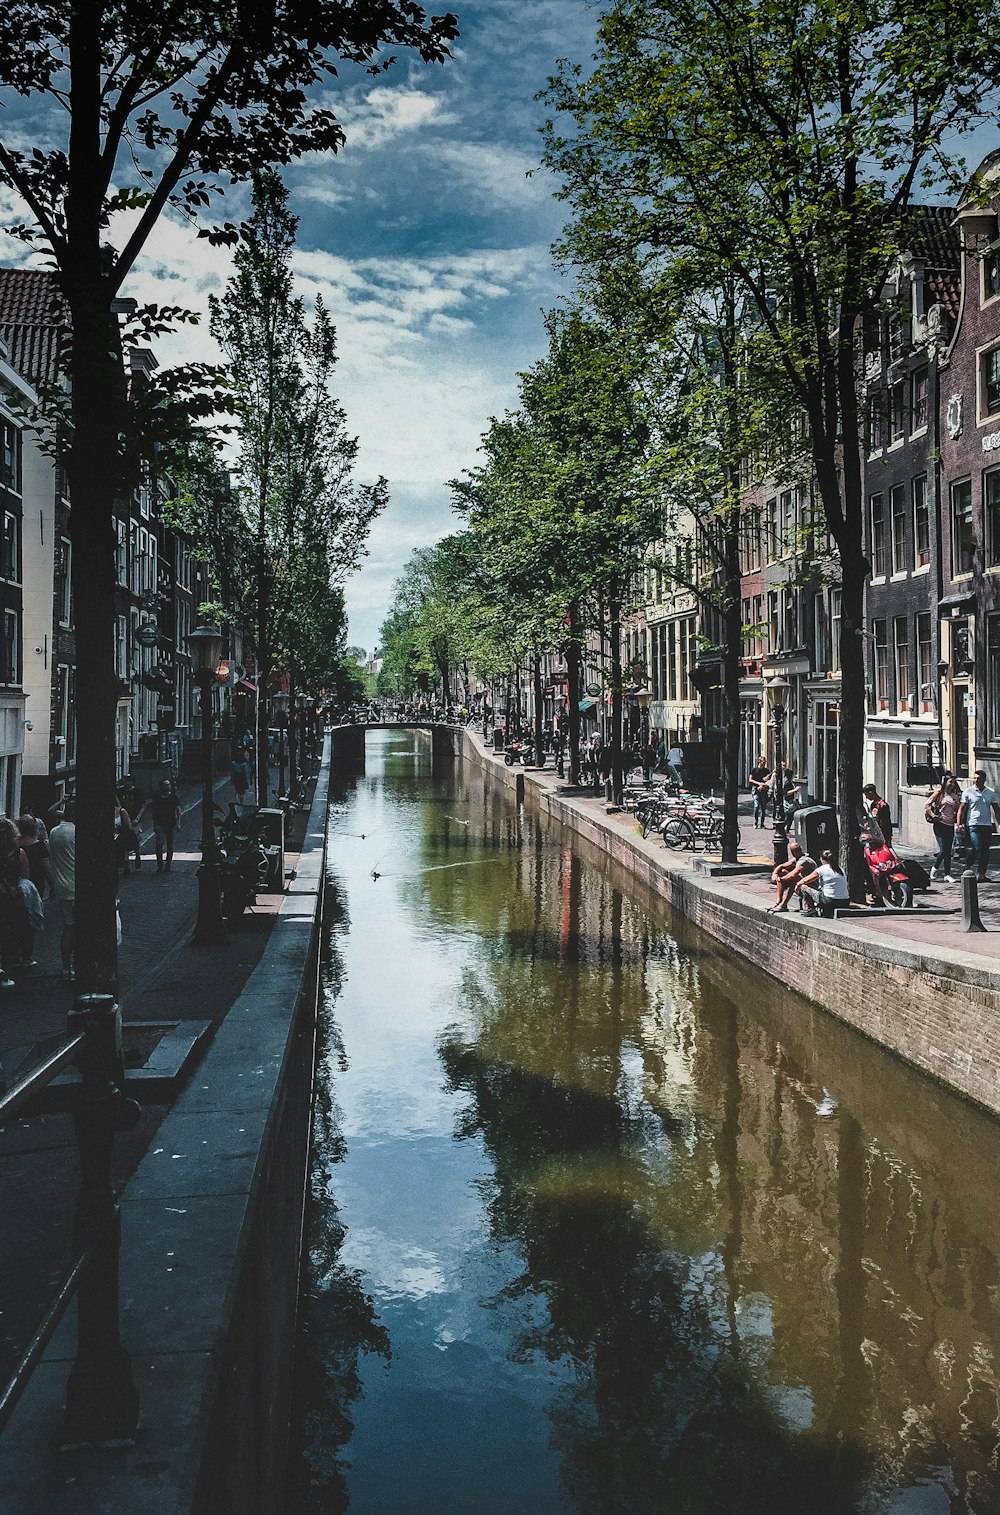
(430, 243)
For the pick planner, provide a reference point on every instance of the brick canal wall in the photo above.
(940, 1011)
(211, 1246)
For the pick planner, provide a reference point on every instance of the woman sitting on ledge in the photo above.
(826, 888)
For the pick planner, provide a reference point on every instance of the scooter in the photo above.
(520, 750)
(885, 866)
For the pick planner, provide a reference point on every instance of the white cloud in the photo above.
(385, 113)
(496, 173)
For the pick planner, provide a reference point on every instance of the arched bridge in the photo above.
(347, 742)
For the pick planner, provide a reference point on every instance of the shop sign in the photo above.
(593, 690)
(148, 633)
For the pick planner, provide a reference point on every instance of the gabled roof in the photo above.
(34, 319)
(934, 236)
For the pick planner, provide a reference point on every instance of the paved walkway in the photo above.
(161, 978)
(928, 925)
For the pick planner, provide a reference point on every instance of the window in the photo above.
(773, 531)
(8, 454)
(64, 582)
(787, 522)
(121, 647)
(875, 423)
(772, 621)
(991, 273)
(897, 412)
(897, 508)
(918, 400)
(881, 665)
(990, 382)
(925, 665)
(993, 677)
(8, 546)
(121, 554)
(921, 522)
(133, 556)
(878, 535)
(835, 603)
(962, 538)
(901, 638)
(8, 649)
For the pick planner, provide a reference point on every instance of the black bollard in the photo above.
(970, 902)
(102, 1406)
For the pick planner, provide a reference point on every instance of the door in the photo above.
(960, 730)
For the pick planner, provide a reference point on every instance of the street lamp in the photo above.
(279, 704)
(303, 701)
(778, 689)
(205, 647)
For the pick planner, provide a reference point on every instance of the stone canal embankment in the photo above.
(933, 1002)
(209, 1276)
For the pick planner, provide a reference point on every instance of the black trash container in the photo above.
(815, 829)
(498, 738)
(270, 826)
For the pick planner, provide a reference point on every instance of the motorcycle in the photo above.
(521, 750)
(885, 868)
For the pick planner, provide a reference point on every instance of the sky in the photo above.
(428, 236)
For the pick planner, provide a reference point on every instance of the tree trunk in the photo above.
(574, 694)
(731, 699)
(98, 401)
(615, 635)
(539, 710)
(292, 733)
(850, 758)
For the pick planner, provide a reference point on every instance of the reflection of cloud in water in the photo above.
(393, 1270)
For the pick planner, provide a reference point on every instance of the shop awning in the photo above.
(586, 705)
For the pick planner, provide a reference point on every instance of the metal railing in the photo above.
(101, 1402)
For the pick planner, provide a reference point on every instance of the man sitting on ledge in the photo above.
(787, 875)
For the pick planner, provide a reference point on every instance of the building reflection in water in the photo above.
(764, 1253)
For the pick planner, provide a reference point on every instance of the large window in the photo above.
(878, 535)
(8, 454)
(991, 273)
(925, 664)
(990, 382)
(921, 522)
(882, 686)
(991, 514)
(993, 677)
(773, 531)
(64, 582)
(962, 538)
(835, 603)
(919, 411)
(8, 546)
(897, 412)
(901, 638)
(897, 511)
(874, 423)
(8, 649)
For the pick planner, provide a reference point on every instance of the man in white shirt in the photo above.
(976, 813)
(62, 850)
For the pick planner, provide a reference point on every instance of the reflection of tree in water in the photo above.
(663, 1414)
(337, 1317)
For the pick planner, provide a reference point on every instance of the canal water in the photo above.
(603, 1220)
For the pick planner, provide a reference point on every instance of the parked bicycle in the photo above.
(695, 826)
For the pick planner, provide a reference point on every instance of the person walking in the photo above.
(40, 874)
(131, 802)
(977, 812)
(166, 821)
(239, 772)
(13, 915)
(760, 788)
(942, 812)
(62, 849)
(880, 811)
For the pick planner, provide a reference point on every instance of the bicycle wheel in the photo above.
(652, 819)
(678, 833)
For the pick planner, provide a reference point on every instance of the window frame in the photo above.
(958, 539)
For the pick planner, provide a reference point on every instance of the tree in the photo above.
(151, 107)
(788, 143)
(301, 522)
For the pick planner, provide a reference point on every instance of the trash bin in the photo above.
(815, 829)
(271, 835)
(498, 738)
(147, 773)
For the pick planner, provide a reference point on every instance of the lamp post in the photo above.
(303, 701)
(279, 704)
(205, 647)
(778, 688)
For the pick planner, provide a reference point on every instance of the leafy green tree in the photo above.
(143, 107)
(788, 143)
(300, 520)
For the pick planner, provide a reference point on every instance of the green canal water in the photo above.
(603, 1220)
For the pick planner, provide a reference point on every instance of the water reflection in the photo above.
(645, 1233)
